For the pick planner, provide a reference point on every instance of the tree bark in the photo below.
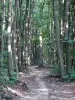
(67, 47)
(57, 31)
(3, 31)
(10, 61)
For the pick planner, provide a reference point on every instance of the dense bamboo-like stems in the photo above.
(57, 31)
(10, 61)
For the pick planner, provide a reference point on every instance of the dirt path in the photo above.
(41, 87)
(37, 87)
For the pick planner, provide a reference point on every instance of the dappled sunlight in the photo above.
(34, 73)
(42, 91)
(60, 91)
(29, 60)
(21, 73)
(58, 98)
(62, 1)
(16, 92)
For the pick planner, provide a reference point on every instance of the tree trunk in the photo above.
(41, 49)
(10, 61)
(57, 31)
(68, 57)
(3, 31)
(26, 35)
(14, 39)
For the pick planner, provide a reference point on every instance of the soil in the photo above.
(38, 85)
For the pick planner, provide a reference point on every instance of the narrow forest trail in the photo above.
(37, 88)
(42, 87)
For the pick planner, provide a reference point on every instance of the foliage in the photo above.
(70, 76)
(56, 68)
(13, 78)
(4, 78)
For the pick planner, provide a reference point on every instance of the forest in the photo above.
(37, 49)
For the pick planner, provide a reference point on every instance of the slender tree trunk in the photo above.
(26, 34)
(49, 33)
(41, 49)
(3, 30)
(68, 57)
(61, 3)
(20, 32)
(9, 39)
(61, 18)
(57, 31)
(14, 39)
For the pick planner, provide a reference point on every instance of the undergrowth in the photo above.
(70, 76)
(4, 78)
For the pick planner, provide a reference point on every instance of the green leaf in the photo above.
(66, 77)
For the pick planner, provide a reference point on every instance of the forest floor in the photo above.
(38, 85)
